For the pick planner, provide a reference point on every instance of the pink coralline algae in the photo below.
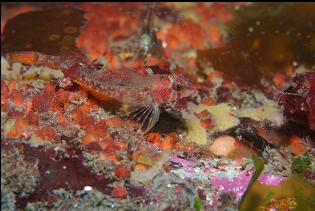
(224, 177)
(271, 180)
(299, 99)
(183, 162)
(239, 183)
(236, 184)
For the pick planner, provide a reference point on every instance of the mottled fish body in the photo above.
(142, 92)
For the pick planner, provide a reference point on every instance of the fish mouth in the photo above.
(194, 94)
(191, 94)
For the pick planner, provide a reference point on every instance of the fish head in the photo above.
(169, 88)
(181, 87)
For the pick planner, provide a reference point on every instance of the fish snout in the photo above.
(190, 92)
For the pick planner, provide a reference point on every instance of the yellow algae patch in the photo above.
(223, 115)
(35, 72)
(196, 132)
(181, 5)
(7, 126)
(7, 73)
(31, 73)
(50, 74)
(18, 71)
(269, 111)
(4, 64)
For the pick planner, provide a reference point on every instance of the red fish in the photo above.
(142, 92)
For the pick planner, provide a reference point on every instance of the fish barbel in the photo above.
(142, 92)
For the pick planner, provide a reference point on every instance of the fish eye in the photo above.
(179, 86)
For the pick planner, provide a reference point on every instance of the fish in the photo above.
(142, 92)
(148, 42)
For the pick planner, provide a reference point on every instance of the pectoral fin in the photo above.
(146, 115)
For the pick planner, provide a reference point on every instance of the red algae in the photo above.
(21, 129)
(299, 99)
(42, 101)
(99, 131)
(119, 22)
(298, 148)
(69, 173)
(82, 118)
(89, 138)
(208, 101)
(94, 134)
(60, 100)
(280, 79)
(46, 133)
(108, 145)
(155, 138)
(119, 192)
(16, 97)
(215, 11)
(189, 148)
(165, 143)
(203, 114)
(114, 121)
(169, 141)
(191, 35)
(62, 120)
(4, 92)
(207, 123)
(111, 156)
(32, 118)
(122, 172)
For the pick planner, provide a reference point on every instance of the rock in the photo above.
(223, 146)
